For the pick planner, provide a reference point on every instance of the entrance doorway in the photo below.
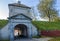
(20, 31)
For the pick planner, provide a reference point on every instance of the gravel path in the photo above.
(34, 39)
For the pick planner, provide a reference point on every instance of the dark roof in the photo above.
(19, 5)
(19, 14)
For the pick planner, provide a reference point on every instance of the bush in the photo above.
(53, 33)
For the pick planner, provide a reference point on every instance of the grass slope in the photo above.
(47, 25)
(41, 25)
(3, 23)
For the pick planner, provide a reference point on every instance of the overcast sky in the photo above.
(4, 11)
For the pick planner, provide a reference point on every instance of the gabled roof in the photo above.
(19, 14)
(19, 5)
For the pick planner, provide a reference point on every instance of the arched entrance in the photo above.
(20, 31)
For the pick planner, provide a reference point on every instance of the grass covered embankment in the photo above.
(3, 23)
(42, 25)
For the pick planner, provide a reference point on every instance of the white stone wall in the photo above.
(32, 30)
(8, 30)
(5, 32)
(18, 10)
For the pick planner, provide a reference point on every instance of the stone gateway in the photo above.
(20, 18)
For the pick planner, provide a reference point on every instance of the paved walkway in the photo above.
(34, 39)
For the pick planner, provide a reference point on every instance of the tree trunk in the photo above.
(49, 17)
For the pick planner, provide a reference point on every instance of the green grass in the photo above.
(42, 25)
(3, 23)
(4, 40)
(36, 37)
(54, 39)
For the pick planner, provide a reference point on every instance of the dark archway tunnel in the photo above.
(20, 31)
